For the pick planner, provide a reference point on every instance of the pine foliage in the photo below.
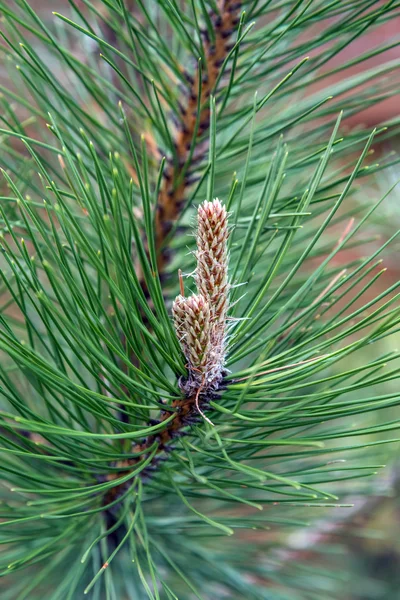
(119, 479)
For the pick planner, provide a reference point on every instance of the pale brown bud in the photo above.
(200, 320)
(192, 320)
(212, 273)
(212, 257)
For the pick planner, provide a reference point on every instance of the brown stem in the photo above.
(186, 414)
(174, 186)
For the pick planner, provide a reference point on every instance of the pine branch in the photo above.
(87, 334)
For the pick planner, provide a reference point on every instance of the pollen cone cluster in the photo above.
(200, 319)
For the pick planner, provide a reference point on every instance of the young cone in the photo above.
(212, 258)
(212, 273)
(200, 320)
(192, 320)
